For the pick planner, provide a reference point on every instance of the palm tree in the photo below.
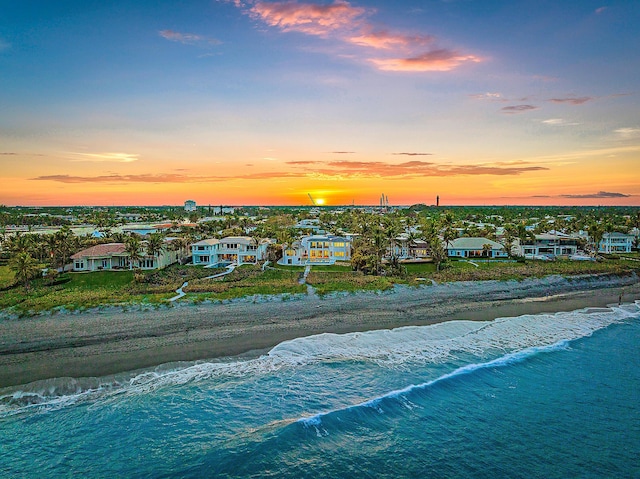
(24, 267)
(20, 244)
(379, 242)
(486, 249)
(155, 245)
(132, 248)
(596, 232)
(448, 235)
(438, 251)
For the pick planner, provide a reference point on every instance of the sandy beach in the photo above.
(103, 342)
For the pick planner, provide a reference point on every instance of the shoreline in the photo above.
(107, 342)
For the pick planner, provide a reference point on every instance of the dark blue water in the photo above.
(551, 396)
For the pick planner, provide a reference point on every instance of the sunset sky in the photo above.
(262, 102)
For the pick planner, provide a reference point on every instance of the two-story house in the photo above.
(615, 243)
(549, 244)
(317, 249)
(232, 249)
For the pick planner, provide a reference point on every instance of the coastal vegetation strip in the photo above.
(79, 291)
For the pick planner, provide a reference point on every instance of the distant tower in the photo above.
(190, 205)
(438, 200)
(386, 201)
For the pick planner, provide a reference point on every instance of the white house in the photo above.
(549, 244)
(405, 249)
(113, 257)
(232, 249)
(475, 248)
(203, 251)
(615, 243)
(317, 249)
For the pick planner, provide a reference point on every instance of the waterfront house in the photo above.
(232, 249)
(476, 247)
(113, 257)
(615, 243)
(317, 249)
(549, 244)
(406, 249)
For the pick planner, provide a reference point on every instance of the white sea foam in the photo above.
(396, 348)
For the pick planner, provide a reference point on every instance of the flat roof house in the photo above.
(317, 249)
(616, 243)
(232, 249)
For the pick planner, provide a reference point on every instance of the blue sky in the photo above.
(260, 102)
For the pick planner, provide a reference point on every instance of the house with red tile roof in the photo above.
(113, 257)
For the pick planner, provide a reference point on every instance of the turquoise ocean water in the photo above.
(549, 396)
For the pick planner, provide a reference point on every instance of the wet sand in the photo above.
(110, 341)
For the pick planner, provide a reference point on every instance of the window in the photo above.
(339, 254)
(339, 244)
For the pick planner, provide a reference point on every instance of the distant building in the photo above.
(190, 206)
(317, 249)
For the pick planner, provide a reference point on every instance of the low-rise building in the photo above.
(616, 243)
(114, 257)
(232, 249)
(476, 248)
(549, 244)
(317, 249)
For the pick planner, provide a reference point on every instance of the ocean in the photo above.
(548, 396)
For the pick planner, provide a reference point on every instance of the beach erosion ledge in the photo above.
(108, 341)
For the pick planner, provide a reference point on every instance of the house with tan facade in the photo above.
(113, 257)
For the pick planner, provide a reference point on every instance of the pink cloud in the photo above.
(387, 40)
(441, 60)
(309, 18)
(350, 25)
(572, 100)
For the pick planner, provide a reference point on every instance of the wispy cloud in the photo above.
(558, 122)
(599, 194)
(310, 18)
(414, 169)
(628, 132)
(488, 96)
(412, 154)
(442, 60)
(4, 45)
(514, 109)
(384, 48)
(384, 39)
(8, 153)
(316, 170)
(104, 157)
(343, 152)
(571, 100)
(600, 10)
(188, 38)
